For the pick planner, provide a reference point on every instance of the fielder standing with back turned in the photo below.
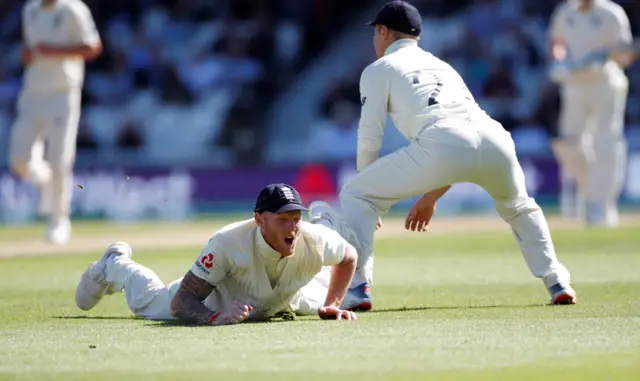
(59, 35)
(452, 140)
(591, 148)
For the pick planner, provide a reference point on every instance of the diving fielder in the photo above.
(591, 44)
(452, 140)
(59, 35)
(252, 269)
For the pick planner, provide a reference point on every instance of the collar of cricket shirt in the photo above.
(265, 250)
(576, 3)
(403, 43)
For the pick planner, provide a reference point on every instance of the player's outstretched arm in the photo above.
(187, 305)
(341, 276)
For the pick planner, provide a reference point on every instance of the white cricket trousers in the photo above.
(591, 148)
(147, 295)
(450, 152)
(52, 118)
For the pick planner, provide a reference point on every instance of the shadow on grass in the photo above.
(83, 317)
(175, 323)
(436, 308)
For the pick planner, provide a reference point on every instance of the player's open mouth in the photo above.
(289, 240)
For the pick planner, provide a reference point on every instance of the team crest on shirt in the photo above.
(205, 263)
(363, 100)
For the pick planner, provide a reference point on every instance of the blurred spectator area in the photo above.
(500, 48)
(182, 79)
(193, 80)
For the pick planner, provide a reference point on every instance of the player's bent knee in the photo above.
(20, 166)
(513, 208)
(610, 143)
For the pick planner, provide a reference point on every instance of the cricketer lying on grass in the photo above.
(452, 140)
(252, 269)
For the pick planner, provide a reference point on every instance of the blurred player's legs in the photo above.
(607, 170)
(591, 149)
(26, 147)
(51, 118)
(147, 296)
(453, 153)
(572, 150)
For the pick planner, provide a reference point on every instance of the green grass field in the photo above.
(447, 307)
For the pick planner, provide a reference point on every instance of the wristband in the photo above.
(213, 318)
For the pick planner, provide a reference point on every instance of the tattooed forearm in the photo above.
(187, 303)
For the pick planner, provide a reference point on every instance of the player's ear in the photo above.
(258, 218)
(386, 32)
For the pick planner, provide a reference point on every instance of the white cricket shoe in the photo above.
(602, 215)
(563, 294)
(93, 285)
(59, 232)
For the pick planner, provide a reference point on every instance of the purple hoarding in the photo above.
(179, 193)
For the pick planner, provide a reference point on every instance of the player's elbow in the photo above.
(93, 51)
(350, 256)
(174, 306)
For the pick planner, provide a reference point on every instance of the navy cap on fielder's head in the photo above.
(399, 16)
(278, 198)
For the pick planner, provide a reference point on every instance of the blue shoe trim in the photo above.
(361, 291)
(556, 288)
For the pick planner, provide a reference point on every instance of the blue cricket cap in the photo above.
(278, 198)
(399, 16)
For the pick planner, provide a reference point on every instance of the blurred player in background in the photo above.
(591, 44)
(452, 140)
(252, 269)
(59, 35)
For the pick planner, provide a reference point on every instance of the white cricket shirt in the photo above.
(416, 89)
(604, 26)
(235, 262)
(65, 23)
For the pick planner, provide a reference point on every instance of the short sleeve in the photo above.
(83, 26)
(335, 247)
(374, 96)
(212, 264)
(556, 25)
(27, 16)
(622, 31)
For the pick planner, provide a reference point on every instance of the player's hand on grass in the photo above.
(334, 313)
(420, 215)
(237, 312)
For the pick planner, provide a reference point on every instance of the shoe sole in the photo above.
(360, 307)
(564, 299)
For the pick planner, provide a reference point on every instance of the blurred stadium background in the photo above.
(197, 104)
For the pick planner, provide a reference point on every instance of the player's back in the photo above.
(423, 89)
(61, 24)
